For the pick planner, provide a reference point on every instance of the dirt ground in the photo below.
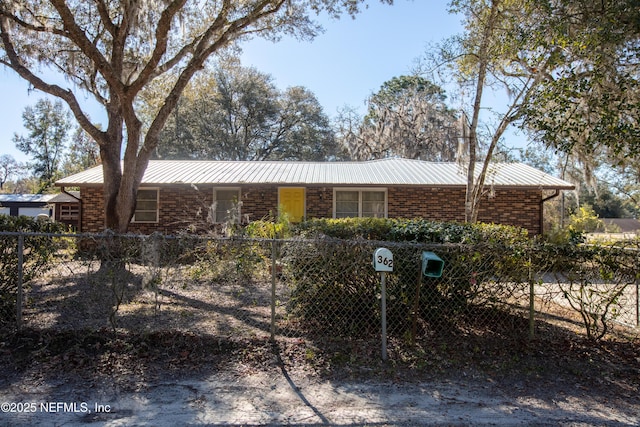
(273, 398)
(188, 369)
(107, 381)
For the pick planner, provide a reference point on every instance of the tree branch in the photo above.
(55, 90)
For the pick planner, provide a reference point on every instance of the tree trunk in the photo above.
(472, 201)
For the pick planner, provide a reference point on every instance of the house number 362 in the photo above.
(385, 261)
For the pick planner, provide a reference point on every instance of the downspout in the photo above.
(63, 190)
(553, 196)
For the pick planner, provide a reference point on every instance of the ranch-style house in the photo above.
(176, 195)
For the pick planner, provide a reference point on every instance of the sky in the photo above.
(342, 67)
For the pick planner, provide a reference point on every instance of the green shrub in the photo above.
(585, 220)
(347, 228)
(425, 231)
(412, 230)
(270, 228)
(341, 295)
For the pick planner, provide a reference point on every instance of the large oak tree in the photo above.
(114, 49)
(238, 113)
(407, 117)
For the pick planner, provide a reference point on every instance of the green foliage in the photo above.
(585, 220)
(48, 125)
(280, 228)
(229, 261)
(334, 289)
(451, 232)
(334, 285)
(37, 255)
(592, 99)
(238, 113)
(592, 279)
(346, 228)
(408, 117)
(412, 230)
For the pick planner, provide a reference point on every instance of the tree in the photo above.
(408, 117)
(347, 125)
(8, 168)
(517, 45)
(591, 107)
(83, 153)
(237, 113)
(48, 124)
(592, 101)
(497, 48)
(114, 50)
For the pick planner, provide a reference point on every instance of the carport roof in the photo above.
(376, 172)
(26, 198)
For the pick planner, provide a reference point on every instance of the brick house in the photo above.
(175, 195)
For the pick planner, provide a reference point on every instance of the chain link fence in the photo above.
(321, 289)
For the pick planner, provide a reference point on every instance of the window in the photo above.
(146, 206)
(227, 205)
(69, 212)
(360, 203)
(373, 204)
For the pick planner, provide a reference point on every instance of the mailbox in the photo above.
(383, 260)
(432, 265)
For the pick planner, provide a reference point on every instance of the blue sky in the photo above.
(342, 66)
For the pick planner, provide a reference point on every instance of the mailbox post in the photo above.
(383, 263)
(431, 266)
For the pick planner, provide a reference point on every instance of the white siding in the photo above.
(33, 212)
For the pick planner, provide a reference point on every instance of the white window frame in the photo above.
(238, 191)
(361, 190)
(157, 211)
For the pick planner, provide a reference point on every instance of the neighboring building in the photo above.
(66, 208)
(63, 207)
(176, 194)
(622, 225)
(30, 205)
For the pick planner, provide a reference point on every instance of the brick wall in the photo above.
(319, 202)
(92, 210)
(180, 207)
(519, 207)
(259, 202)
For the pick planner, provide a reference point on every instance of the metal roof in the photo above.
(26, 198)
(375, 172)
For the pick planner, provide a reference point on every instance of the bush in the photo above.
(37, 256)
(412, 230)
(347, 228)
(341, 294)
(268, 228)
(585, 220)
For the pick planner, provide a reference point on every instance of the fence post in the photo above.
(20, 277)
(383, 312)
(638, 295)
(274, 246)
(532, 309)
